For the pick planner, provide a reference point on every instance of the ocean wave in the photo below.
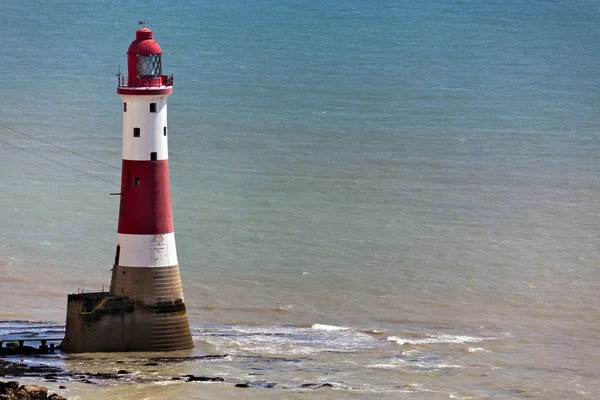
(26, 323)
(434, 339)
(29, 328)
(331, 328)
(285, 340)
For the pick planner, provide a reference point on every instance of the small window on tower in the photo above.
(153, 156)
(124, 107)
(136, 181)
(152, 107)
(136, 132)
(164, 131)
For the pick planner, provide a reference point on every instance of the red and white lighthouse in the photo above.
(145, 308)
(145, 231)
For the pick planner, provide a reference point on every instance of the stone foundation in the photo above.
(150, 317)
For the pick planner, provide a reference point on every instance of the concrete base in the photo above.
(144, 311)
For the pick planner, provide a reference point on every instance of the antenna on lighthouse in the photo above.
(119, 78)
(144, 23)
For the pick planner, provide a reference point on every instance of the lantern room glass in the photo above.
(149, 66)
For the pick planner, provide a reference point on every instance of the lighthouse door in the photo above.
(118, 253)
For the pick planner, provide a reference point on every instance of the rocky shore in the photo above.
(12, 390)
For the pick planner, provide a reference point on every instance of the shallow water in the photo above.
(423, 174)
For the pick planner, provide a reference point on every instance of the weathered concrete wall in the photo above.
(101, 322)
(147, 285)
(97, 322)
(161, 321)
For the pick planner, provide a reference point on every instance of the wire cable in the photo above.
(60, 147)
(59, 163)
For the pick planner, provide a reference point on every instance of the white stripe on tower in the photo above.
(147, 250)
(152, 127)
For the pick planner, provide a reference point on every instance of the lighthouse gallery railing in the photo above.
(163, 80)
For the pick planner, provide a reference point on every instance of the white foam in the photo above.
(432, 339)
(446, 366)
(476, 349)
(388, 365)
(321, 327)
(428, 365)
(165, 383)
(279, 340)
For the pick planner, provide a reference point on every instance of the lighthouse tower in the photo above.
(145, 308)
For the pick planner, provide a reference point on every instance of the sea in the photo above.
(372, 199)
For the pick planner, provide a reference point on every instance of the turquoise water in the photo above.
(423, 173)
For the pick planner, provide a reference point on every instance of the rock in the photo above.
(192, 378)
(307, 385)
(122, 372)
(151, 364)
(12, 391)
(108, 375)
(176, 378)
(17, 369)
(184, 359)
(35, 392)
(242, 385)
(13, 348)
(198, 378)
(6, 386)
(62, 387)
(21, 394)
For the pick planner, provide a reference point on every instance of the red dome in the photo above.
(143, 43)
(144, 67)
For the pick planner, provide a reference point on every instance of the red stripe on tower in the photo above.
(145, 207)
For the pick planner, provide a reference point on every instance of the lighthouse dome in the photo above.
(144, 43)
(144, 65)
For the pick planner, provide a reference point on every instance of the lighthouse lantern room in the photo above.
(144, 309)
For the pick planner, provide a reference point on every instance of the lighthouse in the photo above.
(144, 309)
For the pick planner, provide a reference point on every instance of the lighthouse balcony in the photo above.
(155, 85)
(141, 82)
